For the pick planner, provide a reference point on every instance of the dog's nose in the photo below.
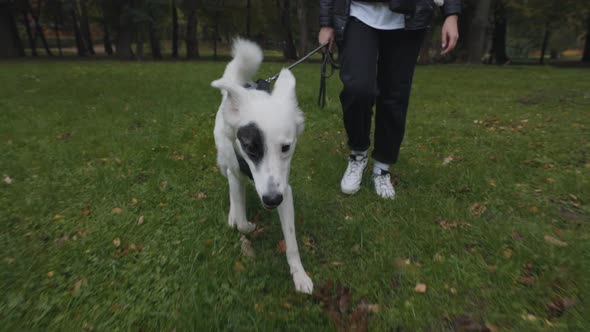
(272, 200)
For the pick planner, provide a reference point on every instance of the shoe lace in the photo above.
(356, 164)
(383, 183)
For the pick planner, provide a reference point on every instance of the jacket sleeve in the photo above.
(326, 13)
(451, 7)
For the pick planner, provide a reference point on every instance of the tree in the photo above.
(478, 31)
(284, 8)
(586, 55)
(85, 26)
(10, 43)
(174, 30)
(192, 43)
(80, 46)
(499, 36)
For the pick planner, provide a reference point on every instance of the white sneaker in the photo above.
(383, 185)
(351, 181)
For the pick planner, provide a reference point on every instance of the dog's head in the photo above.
(266, 130)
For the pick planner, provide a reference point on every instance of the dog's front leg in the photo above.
(237, 204)
(287, 215)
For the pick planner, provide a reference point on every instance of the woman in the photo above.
(379, 43)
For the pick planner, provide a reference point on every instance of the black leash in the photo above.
(264, 84)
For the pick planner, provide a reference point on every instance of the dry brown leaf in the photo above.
(492, 327)
(199, 195)
(7, 179)
(516, 236)
(140, 220)
(438, 258)
(258, 232)
(557, 307)
(238, 266)
(117, 210)
(58, 216)
(446, 224)
(75, 290)
(549, 180)
(134, 200)
(164, 185)
(453, 291)
(529, 317)
(534, 210)
(477, 209)
(62, 240)
(130, 247)
(9, 260)
(177, 156)
(447, 160)
(553, 241)
(246, 247)
(116, 307)
(492, 182)
(492, 268)
(558, 232)
(117, 242)
(64, 137)
(163, 204)
(508, 252)
(527, 280)
(336, 263)
(50, 274)
(85, 209)
(209, 243)
(281, 247)
(420, 288)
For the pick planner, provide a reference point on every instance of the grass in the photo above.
(80, 139)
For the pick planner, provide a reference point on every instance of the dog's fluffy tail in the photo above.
(247, 57)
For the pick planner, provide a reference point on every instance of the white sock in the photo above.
(378, 167)
(359, 153)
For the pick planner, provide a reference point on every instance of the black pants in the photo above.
(376, 67)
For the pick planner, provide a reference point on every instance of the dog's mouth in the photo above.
(269, 207)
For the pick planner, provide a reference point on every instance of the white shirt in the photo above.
(377, 15)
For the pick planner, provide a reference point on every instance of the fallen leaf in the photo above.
(344, 297)
(508, 252)
(50, 274)
(58, 216)
(246, 247)
(446, 224)
(281, 247)
(557, 232)
(117, 210)
(557, 307)
(85, 209)
(453, 291)
(336, 264)
(492, 182)
(258, 232)
(492, 327)
(130, 247)
(447, 160)
(400, 263)
(9, 260)
(359, 318)
(420, 288)
(62, 240)
(258, 308)
(64, 137)
(527, 280)
(238, 266)
(477, 209)
(373, 308)
(553, 241)
(395, 180)
(117, 242)
(438, 257)
(164, 185)
(140, 220)
(199, 195)
(116, 307)
(549, 180)
(162, 204)
(347, 217)
(516, 236)
(492, 268)
(534, 210)
(75, 290)
(7, 179)
(134, 200)
(529, 317)
(287, 305)
(209, 243)
(177, 156)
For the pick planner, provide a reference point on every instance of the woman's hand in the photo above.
(450, 34)
(326, 35)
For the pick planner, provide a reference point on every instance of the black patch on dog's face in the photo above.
(252, 142)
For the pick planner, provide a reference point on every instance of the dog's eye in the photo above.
(285, 147)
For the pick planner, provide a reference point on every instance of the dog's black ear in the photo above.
(236, 96)
(285, 86)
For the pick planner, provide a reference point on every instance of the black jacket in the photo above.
(334, 13)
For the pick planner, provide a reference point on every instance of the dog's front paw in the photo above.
(246, 227)
(302, 282)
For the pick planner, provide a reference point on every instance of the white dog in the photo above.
(255, 134)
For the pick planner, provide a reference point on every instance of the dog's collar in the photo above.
(261, 85)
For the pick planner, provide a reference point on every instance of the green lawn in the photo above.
(499, 233)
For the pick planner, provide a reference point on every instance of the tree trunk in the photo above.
(424, 57)
(58, 18)
(586, 56)
(545, 43)
(174, 30)
(38, 29)
(106, 37)
(499, 38)
(192, 43)
(478, 31)
(139, 42)
(155, 42)
(248, 18)
(79, 41)
(32, 43)
(289, 51)
(123, 43)
(215, 33)
(303, 28)
(10, 43)
(85, 26)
